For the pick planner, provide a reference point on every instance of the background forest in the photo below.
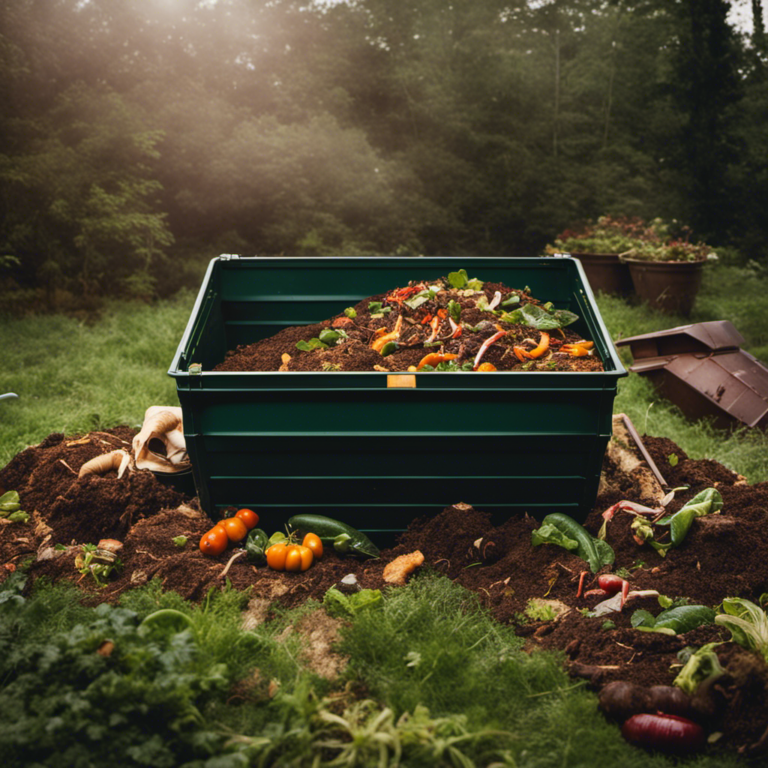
(139, 139)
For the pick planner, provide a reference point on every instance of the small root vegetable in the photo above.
(670, 700)
(620, 700)
(119, 460)
(667, 733)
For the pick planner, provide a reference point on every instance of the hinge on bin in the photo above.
(229, 256)
(195, 369)
(560, 255)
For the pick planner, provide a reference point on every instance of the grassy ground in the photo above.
(73, 377)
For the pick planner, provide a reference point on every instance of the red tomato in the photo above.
(249, 517)
(298, 558)
(312, 540)
(276, 555)
(214, 542)
(235, 528)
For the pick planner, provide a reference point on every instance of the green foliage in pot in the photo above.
(633, 238)
(608, 234)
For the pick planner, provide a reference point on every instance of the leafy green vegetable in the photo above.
(454, 310)
(256, 546)
(377, 310)
(538, 317)
(709, 501)
(701, 666)
(308, 346)
(458, 279)
(330, 336)
(389, 348)
(747, 622)
(672, 459)
(338, 603)
(180, 541)
(511, 300)
(674, 621)
(461, 280)
(564, 531)
(350, 312)
(9, 502)
(10, 508)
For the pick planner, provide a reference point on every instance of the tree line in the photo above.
(139, 137)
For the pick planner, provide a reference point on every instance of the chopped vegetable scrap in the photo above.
(398, 571)
(449, 324)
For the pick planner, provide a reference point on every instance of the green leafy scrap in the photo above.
(537, 317)
(701, 667)
(674, 621)
(563, 531)
(747, 622)
(347, 605)
(377, 309)
(708, 502)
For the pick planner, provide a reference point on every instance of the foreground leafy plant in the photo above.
(105, 687)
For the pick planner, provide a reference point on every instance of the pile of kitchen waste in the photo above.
(452, 323)
(540, 590)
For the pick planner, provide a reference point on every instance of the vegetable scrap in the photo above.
(449, 324)
(398, 571)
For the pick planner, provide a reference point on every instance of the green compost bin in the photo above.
(355, 447)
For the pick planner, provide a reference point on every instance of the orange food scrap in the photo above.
(433, 359)
(398, 571)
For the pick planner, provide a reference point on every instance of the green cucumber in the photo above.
(344, 538)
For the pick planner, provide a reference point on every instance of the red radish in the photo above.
(668, 733)
(612, 584)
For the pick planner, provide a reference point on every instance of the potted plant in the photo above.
(667, 270)
(598, 244)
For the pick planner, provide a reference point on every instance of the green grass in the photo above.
(73, 377)
(432, 678)
(728, 293)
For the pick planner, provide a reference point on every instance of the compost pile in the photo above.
(723, 555)
(448, 324)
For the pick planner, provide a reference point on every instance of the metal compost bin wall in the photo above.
(357, 448)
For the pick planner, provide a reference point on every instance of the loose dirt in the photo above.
(724, 555)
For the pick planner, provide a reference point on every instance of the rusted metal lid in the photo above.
(701, 368)
(714, 336)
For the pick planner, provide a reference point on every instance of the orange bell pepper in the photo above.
(434, 359)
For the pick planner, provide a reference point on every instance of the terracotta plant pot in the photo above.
(669, 286)
(606, 273)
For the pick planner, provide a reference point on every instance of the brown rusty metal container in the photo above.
(702, 369)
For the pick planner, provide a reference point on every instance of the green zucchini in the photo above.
(344, 538)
